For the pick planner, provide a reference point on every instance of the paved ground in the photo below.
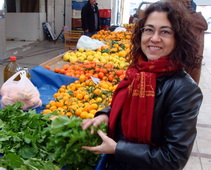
(34, 54)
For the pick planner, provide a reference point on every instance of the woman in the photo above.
(153, 115)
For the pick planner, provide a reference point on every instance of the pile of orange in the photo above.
(103, 35)
(120, 48)
(105, 72)
(81, 98)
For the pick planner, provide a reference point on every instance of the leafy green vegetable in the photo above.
(15, 162)
(24, 133)
(68, 137)
(34, 141)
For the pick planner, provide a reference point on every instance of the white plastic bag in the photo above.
(120, 29)
(22, 90)
(89, 43)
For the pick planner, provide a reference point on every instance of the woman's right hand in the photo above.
(95, 122)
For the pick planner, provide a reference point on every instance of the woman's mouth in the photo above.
(154, 48)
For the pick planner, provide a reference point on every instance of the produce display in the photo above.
(129, 27)
(104, 35)
(34, 141)
(53, 139)
(118, 59)
(85, 71)
(85, 97)
(81, 98)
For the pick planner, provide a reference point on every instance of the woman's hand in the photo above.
(95, 122)
(108, 145)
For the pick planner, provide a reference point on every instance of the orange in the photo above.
(78, 111)
(65, 67)
(62, 71)
(59, 104)
(99, 100)
(56, 70)
(100, 75)
(86, 97)
(52, 108)
(69, 74)
(104, 85)
(69, 114)
(97, 92)
(94, 106)
(119, 72)
(48, 67)
(84, 114)
(46, 111)
(52, 103)
(87, 108)
(93, 112)
(110, 78)
(82, 78)
(89, 116)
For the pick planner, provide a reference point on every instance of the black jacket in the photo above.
(177, 104)
(88, 19)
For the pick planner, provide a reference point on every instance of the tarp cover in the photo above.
(48, 82)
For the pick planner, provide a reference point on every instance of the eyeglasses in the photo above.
(163, 32)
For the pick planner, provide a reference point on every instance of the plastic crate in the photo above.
(78, 5)
(105, 21)
(76, 14)
(76, 22)
(105, 13)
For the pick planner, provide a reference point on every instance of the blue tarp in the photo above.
(48, 82)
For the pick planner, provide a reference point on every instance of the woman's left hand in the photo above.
(108, 145)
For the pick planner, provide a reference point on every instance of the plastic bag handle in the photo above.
(21, 73)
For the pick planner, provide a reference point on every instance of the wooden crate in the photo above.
(71, 38)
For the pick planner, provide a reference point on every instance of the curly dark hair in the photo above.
(180, 18)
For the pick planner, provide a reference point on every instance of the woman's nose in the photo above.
(156, 36)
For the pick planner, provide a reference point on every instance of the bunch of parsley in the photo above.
(32, 137)
(24, 133)
(67, 137)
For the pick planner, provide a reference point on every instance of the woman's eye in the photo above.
(148, 30)
(166, 32)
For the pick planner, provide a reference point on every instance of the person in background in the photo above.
(153, 115)
(200, 27)
(193, 6)
(90, 18)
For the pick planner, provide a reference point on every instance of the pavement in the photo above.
(33, 54)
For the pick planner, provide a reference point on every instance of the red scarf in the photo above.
(134, 99)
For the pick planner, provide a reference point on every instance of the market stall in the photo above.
(72, 86)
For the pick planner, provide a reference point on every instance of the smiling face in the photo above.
(157, 38)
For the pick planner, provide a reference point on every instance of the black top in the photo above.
(88, 20)
(176, 108)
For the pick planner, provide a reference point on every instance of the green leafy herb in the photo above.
(29, 140)
(68, 137)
